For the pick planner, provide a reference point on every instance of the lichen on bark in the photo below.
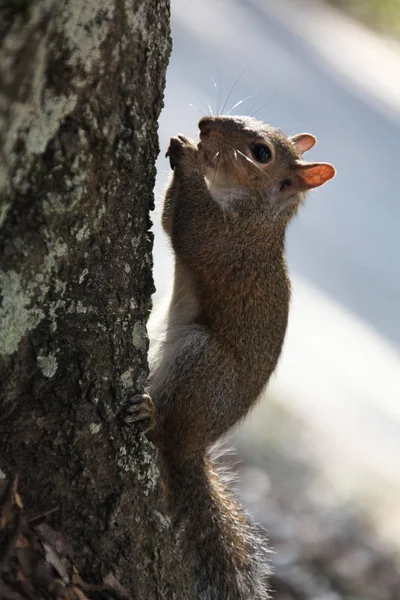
(81, 88)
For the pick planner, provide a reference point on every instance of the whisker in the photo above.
(216, 92)
(250, 160)
(255, 104)
(193, 106)
(237, 173)
(244, 156)
(208, 108)
(220, 94)
(239, 103)
(266, 102)
(233, 87)
(215, 171)
(227, 180)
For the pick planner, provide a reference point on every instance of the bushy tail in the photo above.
(220, 545)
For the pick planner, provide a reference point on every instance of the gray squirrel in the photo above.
(226, 211)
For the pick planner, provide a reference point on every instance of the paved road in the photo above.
(347, 240)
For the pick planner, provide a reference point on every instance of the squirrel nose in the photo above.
(206, 124)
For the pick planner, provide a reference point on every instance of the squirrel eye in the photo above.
(261, 153)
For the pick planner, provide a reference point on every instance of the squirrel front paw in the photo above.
(141, 412)
(182, 152)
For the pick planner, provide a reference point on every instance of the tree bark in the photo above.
(81, 88)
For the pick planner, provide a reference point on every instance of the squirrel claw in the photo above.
(141, 412)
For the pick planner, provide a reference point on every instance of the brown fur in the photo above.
(226, 216)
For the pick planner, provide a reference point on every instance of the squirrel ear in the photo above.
(312, 175)
(303, 141)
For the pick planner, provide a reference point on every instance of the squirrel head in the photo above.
(250, 166)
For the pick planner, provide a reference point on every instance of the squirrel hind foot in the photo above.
(140, 411)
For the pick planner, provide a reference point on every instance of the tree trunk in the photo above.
(81, 88)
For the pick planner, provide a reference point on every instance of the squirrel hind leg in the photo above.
(140, 411)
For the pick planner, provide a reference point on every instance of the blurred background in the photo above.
(327, 432)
